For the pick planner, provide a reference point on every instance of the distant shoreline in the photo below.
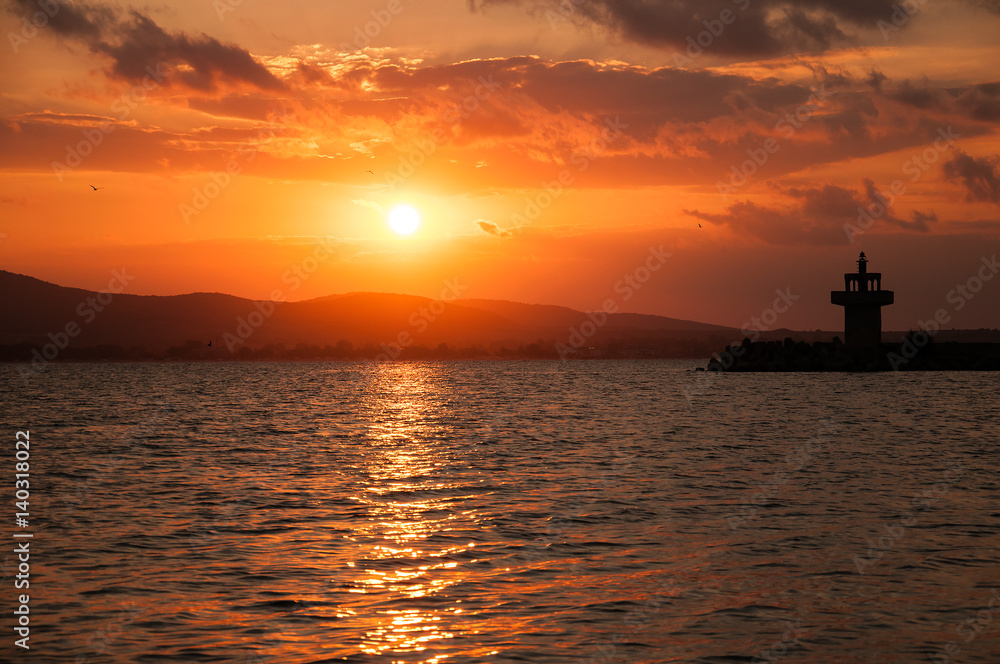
(917, 352)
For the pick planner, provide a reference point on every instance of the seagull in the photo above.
(95, 188)
(372, 172)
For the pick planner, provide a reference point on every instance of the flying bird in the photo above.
(95, 188)
(699, 225)
(372, 172)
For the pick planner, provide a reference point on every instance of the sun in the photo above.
(404, 219)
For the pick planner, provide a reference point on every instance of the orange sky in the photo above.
(548, 147)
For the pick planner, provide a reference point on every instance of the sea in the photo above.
(499, 511)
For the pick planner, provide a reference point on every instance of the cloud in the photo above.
(70, 119)
(920, 219)
(750, 28)
(371, 205)
(556, 108)
(492, 228)
(812, 216)
(140, 49)
(875, 79)
(609, 123)
(546, 112)
(310, 74)
(980, 176)
(980, 101)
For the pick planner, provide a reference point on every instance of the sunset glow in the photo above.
(556, 143)
(549, 331)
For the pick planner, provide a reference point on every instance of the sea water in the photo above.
(595, 511)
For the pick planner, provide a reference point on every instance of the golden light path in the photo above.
(401, 462)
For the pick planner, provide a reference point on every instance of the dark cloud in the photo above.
(979, 101)
(920, 221)
(813, 216)
(921, 96)
(530, 117)
(492, 228)
(667, 93)
(812, 32)
(875, 79)
(876, 202)
(552, 110)
(836, 78)
(733, 27)
(74, 19)
(772, 225)
(852, 117)
(140, 49)
(981, 177)
(644, 99)
(310, 74)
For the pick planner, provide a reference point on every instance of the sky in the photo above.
(711, 155)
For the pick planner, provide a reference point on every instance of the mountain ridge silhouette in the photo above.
(39, 309)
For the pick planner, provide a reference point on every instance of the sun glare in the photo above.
(404, 219)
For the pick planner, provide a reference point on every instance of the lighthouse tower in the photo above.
(862, 299)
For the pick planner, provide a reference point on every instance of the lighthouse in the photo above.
(862, 299)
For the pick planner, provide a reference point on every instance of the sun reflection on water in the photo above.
(396, 562)
(408, 631)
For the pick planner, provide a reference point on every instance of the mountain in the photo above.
(549, 316)
(40, 313)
